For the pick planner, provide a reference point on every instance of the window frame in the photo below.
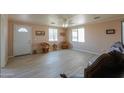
(53, 36)
(77, 29)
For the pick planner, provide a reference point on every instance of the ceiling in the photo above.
(62, 20)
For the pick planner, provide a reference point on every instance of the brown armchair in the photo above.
(45, 47)
(64, 45)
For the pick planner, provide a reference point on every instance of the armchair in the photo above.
(45, 47)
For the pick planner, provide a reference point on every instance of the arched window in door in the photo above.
(22, 30)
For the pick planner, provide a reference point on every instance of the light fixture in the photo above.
(65, 24)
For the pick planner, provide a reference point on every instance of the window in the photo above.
(78, 35)
(74, 35)
(22, 30)
(53, 34)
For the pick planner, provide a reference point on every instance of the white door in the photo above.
(22, 40)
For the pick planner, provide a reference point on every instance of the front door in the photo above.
(22, 40)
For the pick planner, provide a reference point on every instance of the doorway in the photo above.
(22, 40)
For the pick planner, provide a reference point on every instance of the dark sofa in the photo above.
(109, 65)
(105, 66)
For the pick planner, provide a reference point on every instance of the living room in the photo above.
(31, 36)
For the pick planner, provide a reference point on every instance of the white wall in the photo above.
(96, 39)
(4, 40)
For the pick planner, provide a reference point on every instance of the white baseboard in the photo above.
(81, 50)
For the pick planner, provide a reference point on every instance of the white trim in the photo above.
(82, 50)
(4, 40)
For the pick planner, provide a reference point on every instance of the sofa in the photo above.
(108, 65)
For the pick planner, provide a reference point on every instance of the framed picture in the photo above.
(110, 31)
(40, 33)
(62, 34)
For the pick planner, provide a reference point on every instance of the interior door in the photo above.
(22, 40)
